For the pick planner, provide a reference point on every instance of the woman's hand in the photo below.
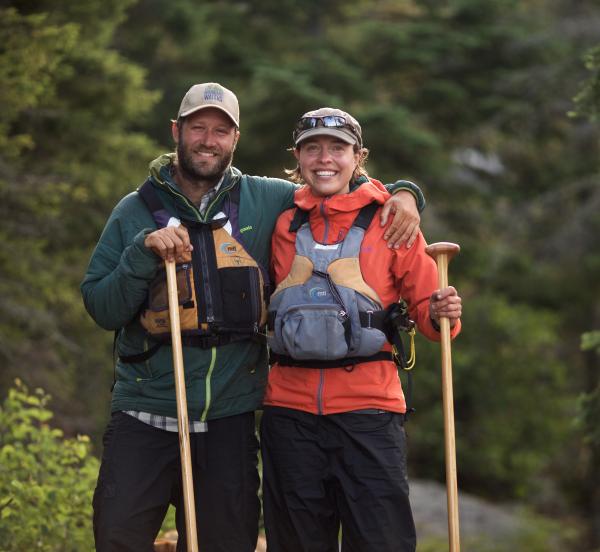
(445, 302)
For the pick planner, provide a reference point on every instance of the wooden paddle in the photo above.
(182, 412)
(442, 253)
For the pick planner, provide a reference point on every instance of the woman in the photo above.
(333, 443)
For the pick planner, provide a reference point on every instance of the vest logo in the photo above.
(228, 248)
(213, 93)
(318, 294)
(245, 229)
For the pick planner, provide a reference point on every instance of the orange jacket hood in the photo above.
(331, 217)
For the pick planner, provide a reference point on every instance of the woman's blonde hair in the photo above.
(295, 175)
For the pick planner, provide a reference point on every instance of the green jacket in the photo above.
(221, 381)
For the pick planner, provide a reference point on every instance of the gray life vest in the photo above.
(324, 314)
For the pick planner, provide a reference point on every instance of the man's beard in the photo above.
(195, 170)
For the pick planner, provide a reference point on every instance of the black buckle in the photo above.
(204, 341)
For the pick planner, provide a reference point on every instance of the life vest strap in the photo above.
(201, 341)
(336, 363)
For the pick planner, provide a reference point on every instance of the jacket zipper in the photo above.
(193, 207)
(207, 382)
(255, 296)
(335, 295)
(206, 241)
(320, 391)
(326, 221)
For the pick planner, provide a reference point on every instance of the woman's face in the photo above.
(327, 164)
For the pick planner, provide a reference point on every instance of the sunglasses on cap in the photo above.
(327, 121)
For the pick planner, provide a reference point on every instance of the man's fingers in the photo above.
(169, 243)
(183, 235)
(413, 236)
(398, 231)
(165, 247)
(383, 218)
(168, 248)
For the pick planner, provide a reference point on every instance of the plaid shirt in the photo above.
(165, 422)
(209, 196)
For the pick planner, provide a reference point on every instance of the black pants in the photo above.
(323, 471)
(140, 476)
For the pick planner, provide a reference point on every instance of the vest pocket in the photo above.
(371, 342)
(241, 294)
(313, 331)
(158, 296)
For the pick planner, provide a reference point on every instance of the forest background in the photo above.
(490, 106)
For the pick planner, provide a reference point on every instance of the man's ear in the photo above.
(235, 140)
(175, 131)
(297, 153)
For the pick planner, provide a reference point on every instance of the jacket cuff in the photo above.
(407, 186)
(453, 331)
(138, 260)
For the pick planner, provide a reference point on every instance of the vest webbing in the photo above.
(214, 336)
(374, 320)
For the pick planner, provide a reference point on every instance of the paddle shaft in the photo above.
(182, 412)
(442, 253)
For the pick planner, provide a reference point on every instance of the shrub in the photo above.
(46, 480)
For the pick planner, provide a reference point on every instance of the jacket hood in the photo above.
(160, 169)
(331, 217)
(161, 172)
(363, 192)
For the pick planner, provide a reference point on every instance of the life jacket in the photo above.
(222, 289)
(324, 314)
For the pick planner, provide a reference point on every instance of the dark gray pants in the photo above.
(140, 476)
(320, 472)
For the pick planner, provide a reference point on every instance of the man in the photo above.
(217, 223)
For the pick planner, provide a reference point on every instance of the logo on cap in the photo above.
(213, 93)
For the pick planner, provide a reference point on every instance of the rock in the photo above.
(477, 517)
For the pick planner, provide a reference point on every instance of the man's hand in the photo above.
(170, 243)
(405, 224)
(445, 302)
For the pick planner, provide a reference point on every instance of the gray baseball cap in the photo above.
(210, 94)
(328, 121)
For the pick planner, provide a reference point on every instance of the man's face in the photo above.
(205, 141)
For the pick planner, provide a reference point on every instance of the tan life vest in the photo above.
(222, 289)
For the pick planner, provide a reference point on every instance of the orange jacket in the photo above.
(392, 273)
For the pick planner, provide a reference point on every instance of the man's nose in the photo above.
(208, 139)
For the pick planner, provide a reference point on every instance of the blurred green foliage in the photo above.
(46, 481)
(469, 98)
